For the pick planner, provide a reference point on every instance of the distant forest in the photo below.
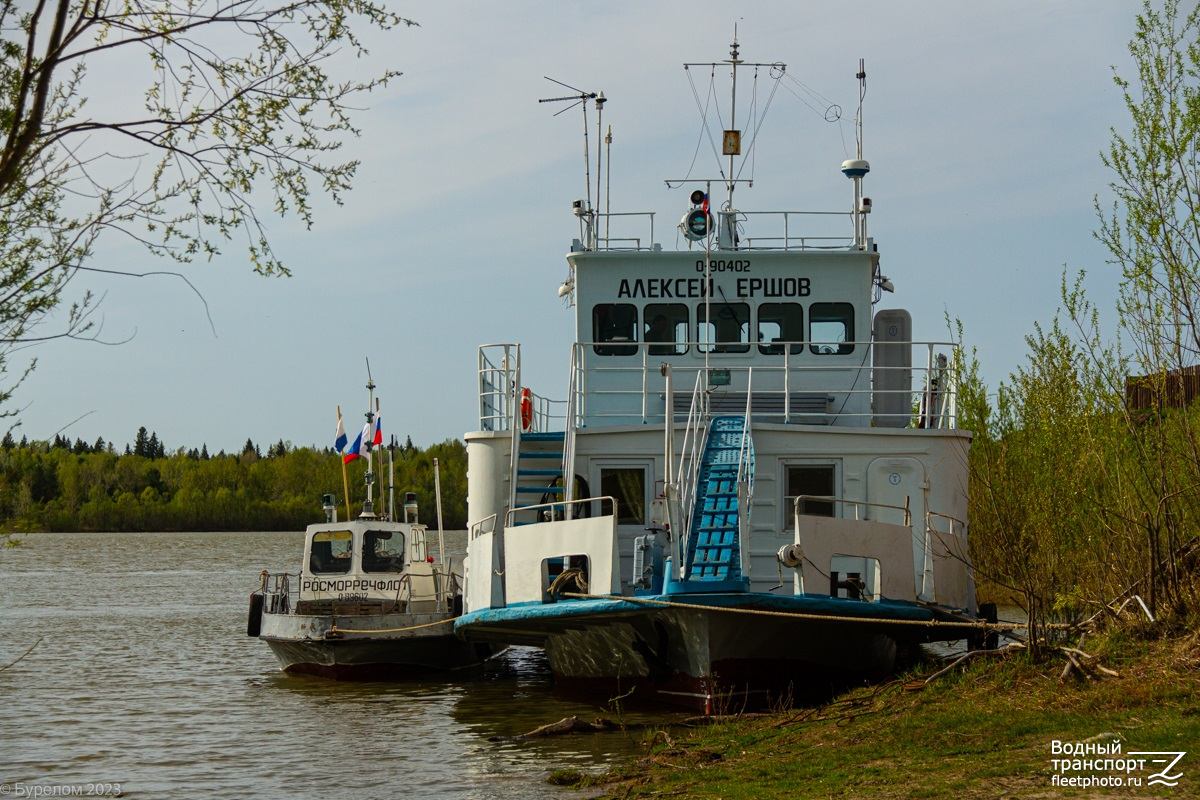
(65, 486)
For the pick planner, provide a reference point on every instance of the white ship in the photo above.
(769, 488)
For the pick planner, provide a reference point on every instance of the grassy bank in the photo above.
(983, 731)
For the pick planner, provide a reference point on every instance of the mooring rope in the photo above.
(980, 625)
(336, 629)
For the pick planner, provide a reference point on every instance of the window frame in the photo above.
(604, 337)
(772, 348)
(822, 346)
(834, 468)
(717, 345)
(677, 314)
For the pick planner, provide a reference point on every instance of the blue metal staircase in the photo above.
(539, 468)
(713, 562)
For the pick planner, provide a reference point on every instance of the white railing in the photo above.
(500, 388)
(781, 231)
(695, 437)
(571, 423)
(859, 505)
(792, 387)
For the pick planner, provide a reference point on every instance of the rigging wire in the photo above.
(704, 109)
(832, 112)
(752, 150)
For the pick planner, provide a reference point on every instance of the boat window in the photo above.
(666, 322)
(727, 332)
(628, 486)
(778, 323)
(330, 552)
(418, 550)
(615, 322)
(810, 479)
(831, 327)
(383, 551)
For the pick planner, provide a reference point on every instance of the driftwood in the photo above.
(913, 686)
(1076, 660)
(563, 726)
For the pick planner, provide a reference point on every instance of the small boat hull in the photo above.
(369, 647)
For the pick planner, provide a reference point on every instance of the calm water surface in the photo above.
(144, 677)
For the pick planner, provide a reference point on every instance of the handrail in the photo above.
(592, 240)
(514, 425)
(826, 499)
(557, 505)
(619, 388)
(568, 463)
(695, 437)
(746, 479)
(476, 529)
(744, 449)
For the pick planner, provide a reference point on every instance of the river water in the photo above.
(144, 677)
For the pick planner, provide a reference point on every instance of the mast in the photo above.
(368, 505)
(732, 148)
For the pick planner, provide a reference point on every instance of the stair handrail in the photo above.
(695, 438)
(569, 425)
(745, 478)
(744, 451)
(513, 397)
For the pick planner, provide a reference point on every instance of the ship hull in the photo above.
(711, 653)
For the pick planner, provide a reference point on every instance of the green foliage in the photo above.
(58, 489)
(241, 107)
(1080, 494)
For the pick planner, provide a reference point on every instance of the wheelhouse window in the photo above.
(811, 481)
(615, 323)
(330, 552)
(628, 486)
(728, 331)
(831, 327)
(779, 323)
(383, 551)
(666, 328)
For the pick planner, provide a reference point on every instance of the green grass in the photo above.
(982, 732)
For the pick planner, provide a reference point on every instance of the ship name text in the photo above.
(684, 288)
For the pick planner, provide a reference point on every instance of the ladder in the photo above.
(714, 550)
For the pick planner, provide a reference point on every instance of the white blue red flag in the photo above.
(340, 439)
(355, 450)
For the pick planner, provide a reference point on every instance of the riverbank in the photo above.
(986, 730)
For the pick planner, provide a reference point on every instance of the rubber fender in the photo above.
(254, 620)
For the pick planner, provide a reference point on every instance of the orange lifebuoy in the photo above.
(526, 409)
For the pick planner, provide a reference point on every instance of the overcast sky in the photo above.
(984, 123)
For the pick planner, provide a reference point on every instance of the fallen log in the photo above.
(563, 726)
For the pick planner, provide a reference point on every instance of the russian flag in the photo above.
(339, 441)
(704, 205)
(377, 435)
(355, 450)
(364, 442)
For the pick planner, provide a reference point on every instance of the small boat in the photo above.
(755, 484)
(371, 600)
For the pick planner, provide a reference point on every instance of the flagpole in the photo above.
(345, 480)
(380, 452)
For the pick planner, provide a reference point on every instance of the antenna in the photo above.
(862, 92)
(855, 169)
(581, 99)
